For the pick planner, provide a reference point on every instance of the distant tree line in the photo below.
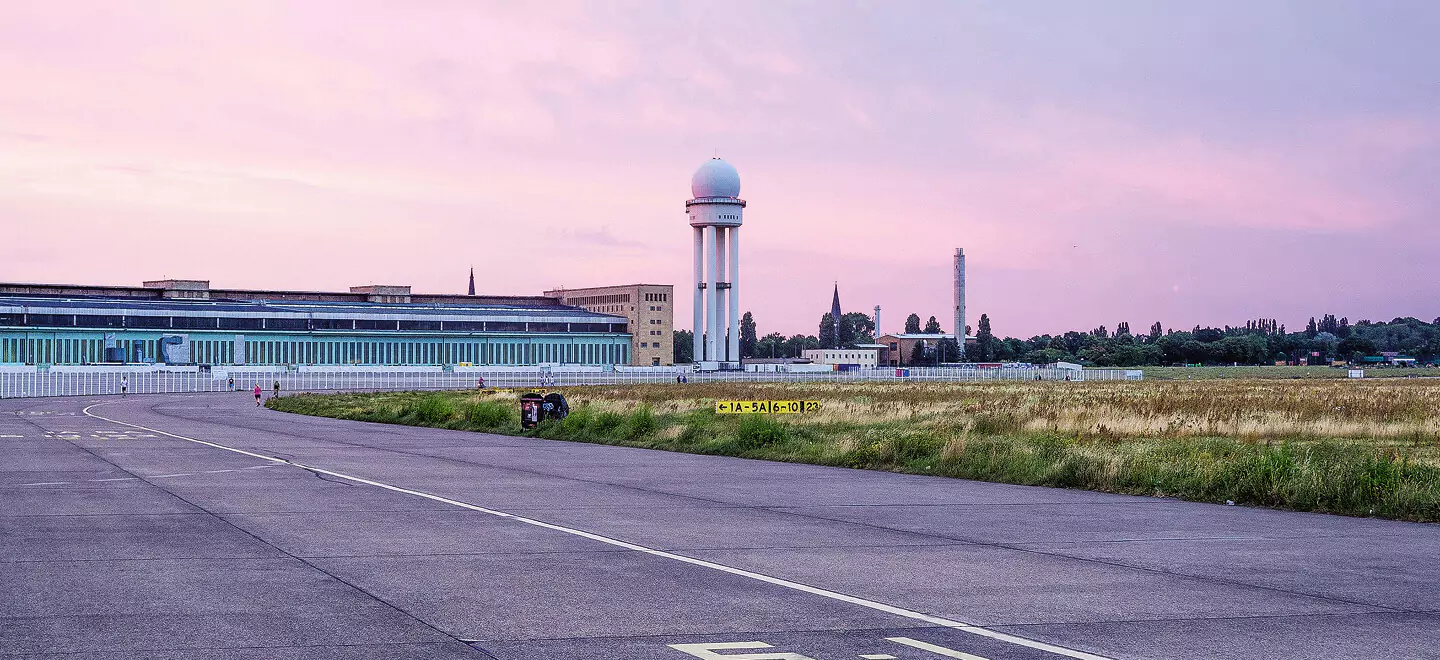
(1261, 341)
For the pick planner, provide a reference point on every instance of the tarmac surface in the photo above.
(199, 526)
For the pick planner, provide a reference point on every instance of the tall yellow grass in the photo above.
(1407, 410)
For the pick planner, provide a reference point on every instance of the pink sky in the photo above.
(1098, 164)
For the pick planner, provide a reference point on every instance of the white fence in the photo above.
(81, 381)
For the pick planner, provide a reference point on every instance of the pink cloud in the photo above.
(327, 144)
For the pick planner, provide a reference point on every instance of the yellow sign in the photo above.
(777, 407)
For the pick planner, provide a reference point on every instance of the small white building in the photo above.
(864, 358)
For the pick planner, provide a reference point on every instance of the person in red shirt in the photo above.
(257, 395)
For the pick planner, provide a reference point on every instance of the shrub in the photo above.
(605, 423)
(433, 409)
(489, 414)
(641, 422)
(995, 424)
(578, 420)
(757, 431)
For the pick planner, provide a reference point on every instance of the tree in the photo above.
(1311, 330)
(796, 345)
(770, 346)
(1011, 349)
(1352, 346)
(1207, 335)
(1155, 332)
(684, 346)
(856, 328)
(1123, 328)
(947, 350)
(747, 336)
(932, 326)
(984, 341)
(1328, 323)
(912, 323)
(924, 353)
(827, 331)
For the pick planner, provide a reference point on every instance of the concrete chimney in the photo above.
(960, 300)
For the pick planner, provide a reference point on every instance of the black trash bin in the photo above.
(530, 412)
(555, 406)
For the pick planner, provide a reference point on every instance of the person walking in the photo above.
(124, 386)
(277, 388)
(232, 383)
(257, 395)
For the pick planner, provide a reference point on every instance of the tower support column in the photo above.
(722, 295)
(698, 329)
(712, 295)
(734, 293)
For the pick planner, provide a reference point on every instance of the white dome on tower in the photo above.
(716, 178)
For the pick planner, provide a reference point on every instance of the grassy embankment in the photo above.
(1348, 447)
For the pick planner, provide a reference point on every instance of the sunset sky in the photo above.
(1198, 162)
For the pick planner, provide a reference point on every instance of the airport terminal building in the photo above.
(186, 322)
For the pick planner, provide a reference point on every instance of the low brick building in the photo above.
(649, 308)
(898, 348)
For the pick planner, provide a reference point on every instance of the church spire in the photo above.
(835, 313)
(472, 280)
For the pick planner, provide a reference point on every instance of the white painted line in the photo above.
(937, 650)
(11, 436)
(167, 476)
(707, 651)
(215, 471)
(878, 656)
(117, 479)
(826, 593)
(47, 483)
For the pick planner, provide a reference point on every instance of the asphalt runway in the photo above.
(200, 526)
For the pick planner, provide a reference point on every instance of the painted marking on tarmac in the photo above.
(797, 586)
(6, 435)
(878, 656)
(707, 651)
(47, 483)
(96, 435)
(937, 650)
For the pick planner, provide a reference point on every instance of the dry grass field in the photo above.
(1273, 372)
(1363, 447)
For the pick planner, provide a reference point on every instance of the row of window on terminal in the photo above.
(90, 351)
(249, 323)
